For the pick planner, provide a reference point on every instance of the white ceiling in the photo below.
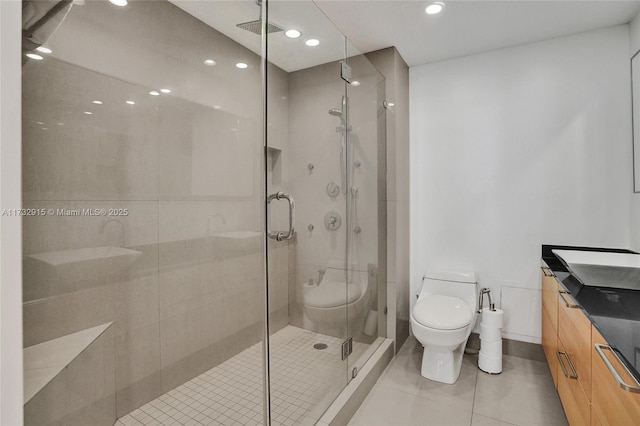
(468, 27)
(463, 28)
(288, 54)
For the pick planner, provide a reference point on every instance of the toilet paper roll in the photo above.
(490, 334)
(371, 324)
(491, 349)
(489, 364)
(491, 318)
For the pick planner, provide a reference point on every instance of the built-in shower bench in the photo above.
(71, 379)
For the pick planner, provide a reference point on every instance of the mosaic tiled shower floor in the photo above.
(303, 381)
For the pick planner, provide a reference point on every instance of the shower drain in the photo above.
(320, 346)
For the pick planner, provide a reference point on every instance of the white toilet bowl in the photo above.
(442, 320)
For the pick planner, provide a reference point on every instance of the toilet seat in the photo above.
(332, 294)
(442, 312)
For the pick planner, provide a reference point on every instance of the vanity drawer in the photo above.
(550, 346)
(574, 333)
(550, 289)
(594, 419)
(611, 404)
(574, 400)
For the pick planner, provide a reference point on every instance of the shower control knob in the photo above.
(332, 220)
(333, 189)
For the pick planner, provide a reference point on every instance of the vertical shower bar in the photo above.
(345, 166)
(265, 340)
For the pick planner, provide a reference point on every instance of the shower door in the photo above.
(325, 149)
(306, 148)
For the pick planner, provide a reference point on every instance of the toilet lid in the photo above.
(442, 312)
(331, 294)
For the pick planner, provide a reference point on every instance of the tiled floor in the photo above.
(304, 381)
(523, 394)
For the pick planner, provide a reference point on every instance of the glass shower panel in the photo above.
(366, 206)
(143, 146)
(306, 154)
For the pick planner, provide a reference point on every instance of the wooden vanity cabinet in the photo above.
(550, 321)
(550, 289)
(575, 402)
(610, 404)
(550, 346)
(574, 331)
(566, 341)
(574, 361)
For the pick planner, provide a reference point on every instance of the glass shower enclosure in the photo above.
(208, 237)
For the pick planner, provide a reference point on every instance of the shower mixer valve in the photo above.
(332, 220)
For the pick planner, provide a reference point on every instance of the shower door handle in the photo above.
(281, 236)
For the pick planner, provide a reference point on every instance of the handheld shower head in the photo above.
(336, 112)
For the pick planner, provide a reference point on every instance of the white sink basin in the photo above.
(77, 264)
(603, 269)
(237, 241)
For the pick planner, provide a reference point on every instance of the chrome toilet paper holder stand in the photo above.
(487, 291)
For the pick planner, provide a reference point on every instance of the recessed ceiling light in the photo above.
(165, 90)
(131, 102)
(355, 83)
(119, 2)
(45, 128)
(60, 124)
(98, 102)
(43, 49)
(154, 93)
(292, 33)
(434, 8)
(241, 65)
(88, 113)
(209, 62)
(312, 42)
(34, 56)
(40, 122)
(217, 107)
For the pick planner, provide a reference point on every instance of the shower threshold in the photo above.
(304, 382)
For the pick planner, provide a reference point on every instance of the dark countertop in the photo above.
(614, 312)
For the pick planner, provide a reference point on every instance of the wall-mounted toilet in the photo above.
(337, 296)
(442, 320)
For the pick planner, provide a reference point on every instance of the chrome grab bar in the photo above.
(574, 373)
(281, 236)
(569, 305)
(629, 388)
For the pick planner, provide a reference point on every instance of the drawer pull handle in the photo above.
(546, 271)
(568, 305)
(612, 370)
(574, 374)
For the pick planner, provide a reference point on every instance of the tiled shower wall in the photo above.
(317, 143)
(185, 166)
(396, 72)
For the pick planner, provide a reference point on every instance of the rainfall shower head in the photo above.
(256, 26)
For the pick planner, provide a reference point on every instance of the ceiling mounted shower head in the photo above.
(256, 26)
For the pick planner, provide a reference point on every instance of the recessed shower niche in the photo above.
(274, 166)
